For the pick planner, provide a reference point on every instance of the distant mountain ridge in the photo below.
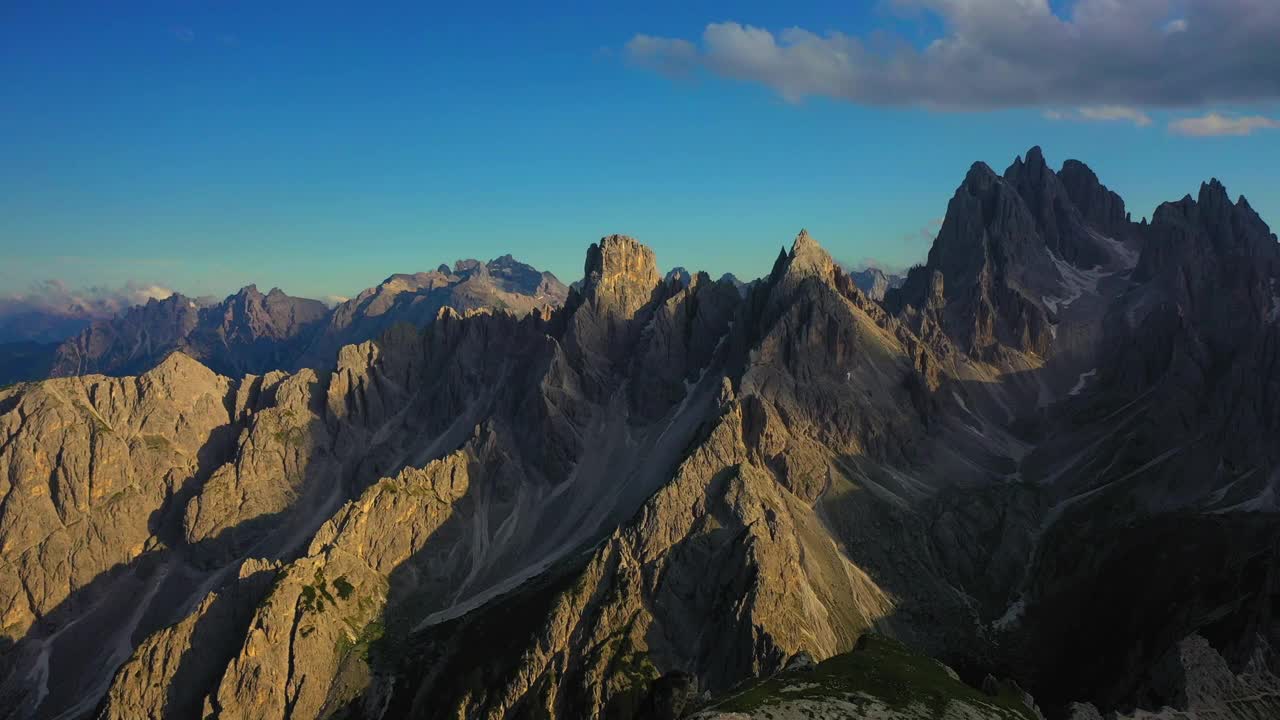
(874, 282)
(253, 332)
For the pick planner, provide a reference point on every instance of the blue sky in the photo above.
(322, 147)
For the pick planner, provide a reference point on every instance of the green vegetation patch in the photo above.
(313, 597)
(883, 669)
(291, 436)
(343, 587)
(364, 640)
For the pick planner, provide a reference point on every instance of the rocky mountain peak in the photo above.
(1058, 221)
(1099, 206)
(1034, 164)
(991, 250)
(678, 276)
(620, 274)
(515, 276)
(1213, 197)
(808, 258)
(469, 267)
(179, 371)
(979, 179)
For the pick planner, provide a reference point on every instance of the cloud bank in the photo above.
(50, 310)
(1102, 113)
(1215, 124)
(995, 54)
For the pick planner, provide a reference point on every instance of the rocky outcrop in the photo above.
(169, 669)
(619, 276)
(88, 463)
(325, 610)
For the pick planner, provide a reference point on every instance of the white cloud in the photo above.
(51, 310)
(1101, 113)
(667, 56)
(55, 297)
(1215, 124)
(1116, 112)
(1008, 53)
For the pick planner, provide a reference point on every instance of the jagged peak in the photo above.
(807, 257)
(1213, 192)
(469, 266)
(779, 264)
(1079, 165)
(802, 241)
(1030, 168)
(679, 274)
(172, 299)
(1098, 204)
(612, 249)
(620, 274)
(178, 365)
(980, 175)
(1033, 160)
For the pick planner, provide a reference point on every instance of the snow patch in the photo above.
(1082, 381)
(1011, 616)
(1075, 283)
(1127, 256)
(1273, 315)
(1264, 501)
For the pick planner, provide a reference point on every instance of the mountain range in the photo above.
(1038, 479)
(252, 332)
